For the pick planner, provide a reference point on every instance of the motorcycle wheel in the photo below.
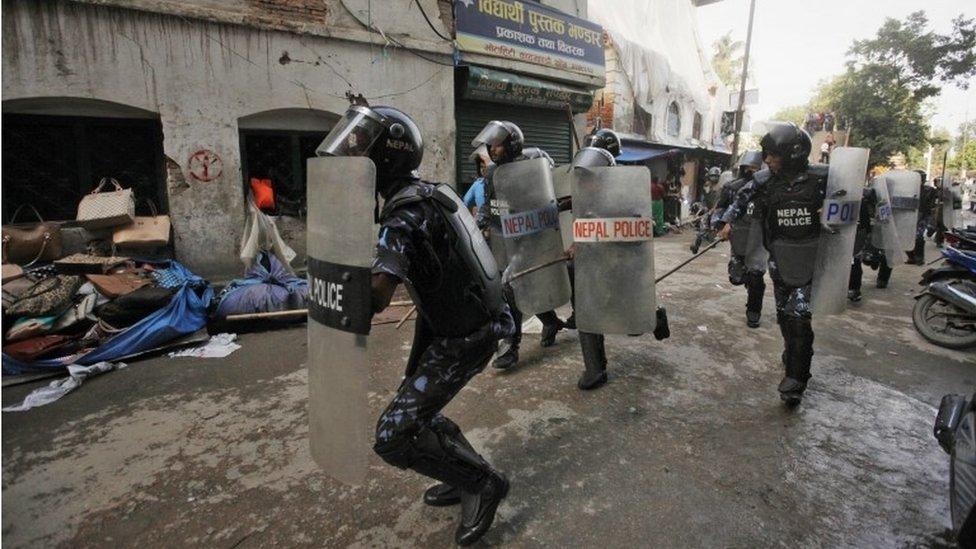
(930, 316)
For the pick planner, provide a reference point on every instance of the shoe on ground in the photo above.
(752, 318)
(592, 380)
(881, 284)
(478, 510)
(442, 495)
(854, 296)
(570, 323)
(549, 332)
(791, 391)
(507, 359)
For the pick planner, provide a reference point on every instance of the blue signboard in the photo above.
(530, 32)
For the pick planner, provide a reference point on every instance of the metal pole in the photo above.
(739, 114)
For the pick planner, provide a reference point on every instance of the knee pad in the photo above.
(754, 279)
(737, 271)
(397, 450)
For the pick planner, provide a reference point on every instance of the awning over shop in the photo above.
(637, 151)
(637, 155)
(484, 84)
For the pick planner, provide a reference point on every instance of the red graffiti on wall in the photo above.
(205, 165)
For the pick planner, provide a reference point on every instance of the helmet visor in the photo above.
(353, 135)
(492, 134)
(591, 157)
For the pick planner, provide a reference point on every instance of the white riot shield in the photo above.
(613, 232)
(562, 185)
(884, 234)
(341, 244)
(842, 205)
(903, 191)
(531, 233)
(951, 197)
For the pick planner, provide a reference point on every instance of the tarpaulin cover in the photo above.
(268, 286)
(185, 314)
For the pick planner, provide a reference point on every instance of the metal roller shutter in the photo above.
(543, 128)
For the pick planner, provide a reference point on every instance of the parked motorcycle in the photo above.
(945, 312)
(955, 429)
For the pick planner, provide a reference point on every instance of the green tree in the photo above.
(796, 114)
(882, 95)
(727, 60)
(966, 157)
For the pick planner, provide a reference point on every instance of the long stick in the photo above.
(531, 270)
(296, 313)
(406, 316)
(572, 126)
(687, 261)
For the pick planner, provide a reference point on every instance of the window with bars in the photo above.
(51, 162)
(280, 155)
(674, 119)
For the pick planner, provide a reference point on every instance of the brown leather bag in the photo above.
(31, 349)
(28, 243)
(117, 284)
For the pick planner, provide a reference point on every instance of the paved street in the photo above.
(687, 446)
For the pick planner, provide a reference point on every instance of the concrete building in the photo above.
(186, 100)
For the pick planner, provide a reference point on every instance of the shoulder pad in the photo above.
(411, 194)
(736, 184)
(818, 170)
(762, 176)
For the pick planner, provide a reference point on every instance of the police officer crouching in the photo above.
(429, 242)
(787, 197)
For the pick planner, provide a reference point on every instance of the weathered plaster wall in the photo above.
(201, 78)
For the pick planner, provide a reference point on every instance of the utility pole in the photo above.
(739, 112)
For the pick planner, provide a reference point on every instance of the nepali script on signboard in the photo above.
(531, 33)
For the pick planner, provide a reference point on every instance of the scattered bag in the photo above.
(264, 196)
(145, 232)
(100, 209)
(34, 348)
(80, 264)
(12, 291)
(28, 327)
(118, 284)
(28, 243)
(78, 317)
(135, 306)
(51, 296)
(261, 233)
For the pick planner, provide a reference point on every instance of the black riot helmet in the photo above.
(386, 135)
(501, 132)
(790, 143)
(749, 163)
(536, 152)
(607, 140)
(593, 157)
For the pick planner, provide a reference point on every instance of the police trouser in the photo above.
(592, 346)
(857, 273)
(753, 280)
(412, 434)
(509, 294)
(794, 318)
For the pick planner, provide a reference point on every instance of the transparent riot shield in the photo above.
(842, 205)
(903, 191)
(532, 238)
(746, 241)
(884, 234)
(613, 234)
(951, 199)
(341, 244)
(562, 186)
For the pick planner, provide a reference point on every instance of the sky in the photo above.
(796, 43)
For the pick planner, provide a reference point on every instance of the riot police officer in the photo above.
(429, 242)
(928, 199)
(787, 197)
(744, 267)
(504, 141)
(865, 252)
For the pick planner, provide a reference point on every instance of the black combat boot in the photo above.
(478, 508)
(594, 360)
(509, 358)
(798, 358)
(551, 324)
(752, 318)
(442, 495)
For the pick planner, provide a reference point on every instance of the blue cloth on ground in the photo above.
(267, 286)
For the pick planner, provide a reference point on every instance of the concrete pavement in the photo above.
(687, 446)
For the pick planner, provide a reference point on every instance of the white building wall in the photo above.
(201, 78)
